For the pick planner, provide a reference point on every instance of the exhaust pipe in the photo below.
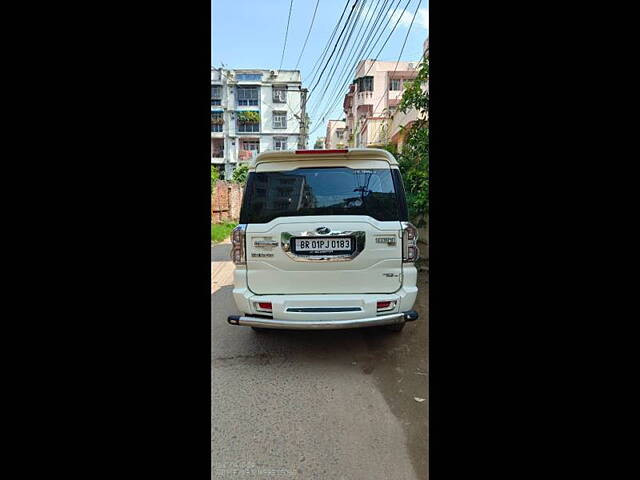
(411, 315)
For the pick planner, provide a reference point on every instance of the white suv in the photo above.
(324, 242)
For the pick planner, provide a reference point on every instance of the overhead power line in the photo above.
(338, 93)
(332, 106)
(334, 49)
(319, 60)
(342, 48)
(359, 48)
(366, 122)
(286, 33)
(308, 33)
(336, 99)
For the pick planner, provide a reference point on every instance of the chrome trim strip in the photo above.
(324, 309)
(319, 324)
(359, 238)
(265, 243)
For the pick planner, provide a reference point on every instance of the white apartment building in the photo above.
(253, 111)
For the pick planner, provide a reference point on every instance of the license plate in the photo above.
(323, 244)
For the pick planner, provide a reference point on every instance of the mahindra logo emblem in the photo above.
(323, 230)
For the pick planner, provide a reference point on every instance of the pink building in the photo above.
(336, 136)
(400, 122)
(372, 98)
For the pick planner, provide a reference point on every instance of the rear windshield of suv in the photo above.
(377, 193)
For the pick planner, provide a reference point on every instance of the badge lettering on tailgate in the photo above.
(388, 240)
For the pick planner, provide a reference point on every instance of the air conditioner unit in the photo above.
(274, 73)
(411, 66)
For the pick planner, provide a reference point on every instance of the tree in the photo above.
(414, 159)
(240, 174)
(215, 176)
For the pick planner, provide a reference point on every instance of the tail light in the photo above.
(238, 254)
(385, 305)
(410, 252)
(263, 307)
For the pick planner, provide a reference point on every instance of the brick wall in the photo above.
(226, 200)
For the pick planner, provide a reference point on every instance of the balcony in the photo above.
(246, 155)
(217, 151)
(217, 124)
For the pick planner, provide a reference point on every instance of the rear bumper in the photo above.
(325, 324)
(347, 306)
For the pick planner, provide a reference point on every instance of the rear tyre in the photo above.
(396, 327)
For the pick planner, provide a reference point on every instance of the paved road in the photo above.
(317, 405)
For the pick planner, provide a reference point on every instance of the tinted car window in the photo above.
(320, 191)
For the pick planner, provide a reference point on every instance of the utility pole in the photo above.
(302, 142)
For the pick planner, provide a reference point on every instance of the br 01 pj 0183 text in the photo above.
(322, 244)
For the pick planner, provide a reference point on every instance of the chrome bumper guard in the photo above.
(261, 322)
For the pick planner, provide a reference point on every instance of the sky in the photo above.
(251, 34)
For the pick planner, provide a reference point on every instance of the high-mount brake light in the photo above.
(320, 152)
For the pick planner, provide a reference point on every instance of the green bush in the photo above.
(248, 117)
(240, 174)
(414, 159)
(414, 165)
(215, 176)
(220, 231)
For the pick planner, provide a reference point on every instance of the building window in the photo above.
(253, 145)
(248, 127)
(217, 148)
(247, 95)
(248, 121)
(340, 134)
(216, 95)
(365, 84)
(280, 94)
(251, 77)
(279, 119)
(216, 121)
(395, 84)
(279, 143)
(248, 149)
